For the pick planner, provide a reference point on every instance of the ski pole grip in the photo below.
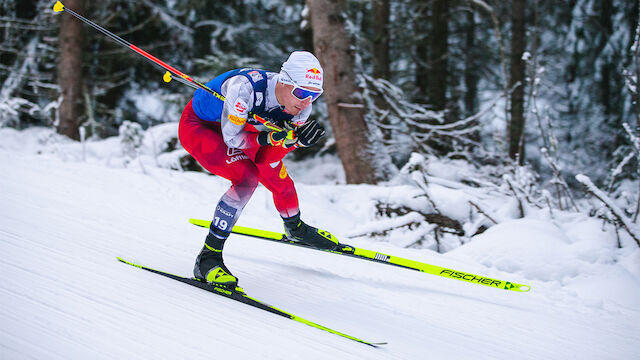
(58, 7)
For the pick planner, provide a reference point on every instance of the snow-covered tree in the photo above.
(28, 52)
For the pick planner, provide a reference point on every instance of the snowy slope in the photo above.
(63, 295)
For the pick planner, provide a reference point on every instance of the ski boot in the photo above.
(210, 268)
(295, 229)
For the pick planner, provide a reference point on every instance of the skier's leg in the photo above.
(209, 264)
(274, 177)
(204, 142)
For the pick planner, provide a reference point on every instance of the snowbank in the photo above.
(68, 209)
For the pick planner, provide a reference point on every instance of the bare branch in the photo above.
(482, 212)
(617, 213)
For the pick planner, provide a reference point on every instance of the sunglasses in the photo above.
(301, 93)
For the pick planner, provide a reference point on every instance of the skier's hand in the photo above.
(276, 138)
(309, 133)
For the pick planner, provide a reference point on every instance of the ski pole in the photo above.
(184, 78)
(59, 7)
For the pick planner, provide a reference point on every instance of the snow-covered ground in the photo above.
(67, 212)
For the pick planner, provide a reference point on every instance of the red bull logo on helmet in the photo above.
(313, 74)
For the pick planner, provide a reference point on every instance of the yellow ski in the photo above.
(379, 257)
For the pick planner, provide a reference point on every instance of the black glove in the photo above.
(277, 116)
(309, 133)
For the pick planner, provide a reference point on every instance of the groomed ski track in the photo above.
(63, 294)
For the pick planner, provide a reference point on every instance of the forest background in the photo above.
(530, 93)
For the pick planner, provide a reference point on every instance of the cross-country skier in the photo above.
(228, 139)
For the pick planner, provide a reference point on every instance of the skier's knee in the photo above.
(243, 189)
(248, 183)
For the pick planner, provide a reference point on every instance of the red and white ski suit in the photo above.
(229, 149)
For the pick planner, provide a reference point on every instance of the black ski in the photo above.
(242, 297)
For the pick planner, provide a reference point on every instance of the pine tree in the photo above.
(28, 53)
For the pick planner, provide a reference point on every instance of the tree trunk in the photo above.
(438, 53)
(422, 51)
(518, 45)
(470, 68)
(381, 62)
(606, 69)
(26, 9)
(344, 104)
(70, 71)
(381, 9)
